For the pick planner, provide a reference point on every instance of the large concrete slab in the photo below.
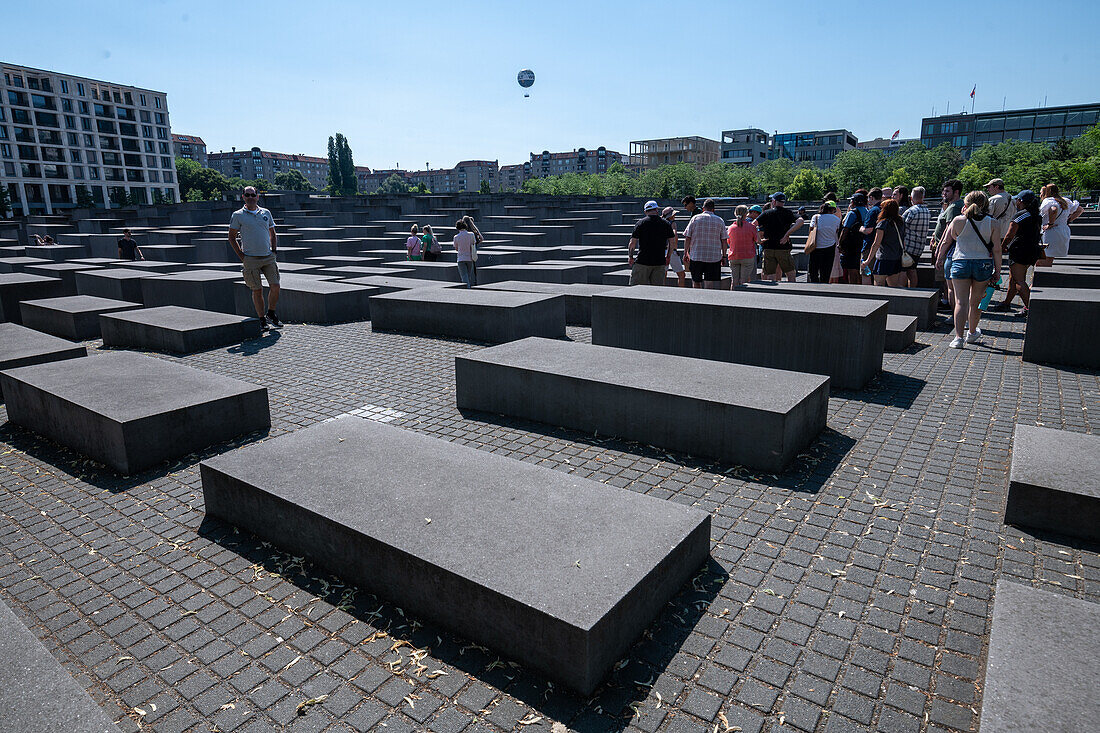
(63, 271)
(481, 315)
(1061, 327)
(22, 346)
(1061, 276)
(16, 287)
(546, 273)
(74, 317)
(131, 412)
(19, 263)
(919, 302)
(559, 573)
(210, 290)
(578, 296)
(176, 329)
(1041, 672)
(314, 301)
(732, 412)
(1054, 482)
(114, 283)
(396, 283)
(843, 338)
(37, 694)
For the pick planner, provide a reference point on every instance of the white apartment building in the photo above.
(64, 138)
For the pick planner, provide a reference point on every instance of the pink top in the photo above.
(742, 241)
(413, 245)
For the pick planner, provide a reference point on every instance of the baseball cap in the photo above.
(778, 196)
(668, 211)
(995, 182)
(757, 208)
(859, 199)
(1025, 197)
(650, 206)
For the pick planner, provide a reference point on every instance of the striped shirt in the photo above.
(916, 219)
(708, 237)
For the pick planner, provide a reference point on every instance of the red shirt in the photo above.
(742, 240)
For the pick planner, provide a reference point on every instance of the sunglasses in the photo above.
(251, 195)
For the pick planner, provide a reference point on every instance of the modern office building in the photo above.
(819, 147)
(745, 147)
(64, 138)
(886, 145)
(189, 146)
(698, 151)
(256, 164)
(968, 132)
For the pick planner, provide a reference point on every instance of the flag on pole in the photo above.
(895, 135)
(972, 91)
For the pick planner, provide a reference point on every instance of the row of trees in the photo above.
(204, 184)
(341, 167)
(1072, 165)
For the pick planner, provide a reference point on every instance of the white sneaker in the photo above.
(974, 337)
(957, 342)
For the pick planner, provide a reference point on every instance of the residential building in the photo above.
(968, 132)
(819, 147)
(698, 151)
(189, 146)
(469, 175)
(512, 177)
(60, 133)
(887, 145)
(745, 147)
(580, 160)
(257, 164)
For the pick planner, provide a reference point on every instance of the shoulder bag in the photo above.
(811, 240)
(907, 260)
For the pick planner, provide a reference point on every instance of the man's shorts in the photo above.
(647, 274)
(254, 266)
(710, 271)
(777, 259)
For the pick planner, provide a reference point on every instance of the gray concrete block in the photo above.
(395, 283)
(63, 271)
(22, 346)
(354, 271)
(919, 302)
(594, 269)
(37, 694)
(578, 297)
(60, 252)
(74, 317)
(20, 263)
(1061, 327)
(153, 267)
(1062, 276)
(114, 283)
(210, 290)
(16, 287)
(545, 273)
(1054, 482)
(480, 315)
(559, 573)
(444, 271)
(314, 301)
(132, 412)
(758, 417)
(1041, 672)
(842, 338)
(176, 329)
(901, 332)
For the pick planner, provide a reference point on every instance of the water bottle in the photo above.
(989, 290)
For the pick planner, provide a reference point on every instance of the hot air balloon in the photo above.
(526, 78)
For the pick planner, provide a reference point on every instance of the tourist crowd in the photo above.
(881, 239)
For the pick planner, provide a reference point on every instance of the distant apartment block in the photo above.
(60, 133)
(511, 177)
(968, 132)
(189, 146)
(698, 151)
(467, 175)
(257, 164)
(580, 160)
(745, 147)
(819, 147)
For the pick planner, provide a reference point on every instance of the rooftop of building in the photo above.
(193, 139)
(7, 66)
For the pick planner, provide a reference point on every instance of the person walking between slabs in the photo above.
(252, 237)
(656, 242)
(705, 246)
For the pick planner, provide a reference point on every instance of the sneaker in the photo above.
(1003, 307)
(974, 337)
(957, 342)
(274, 319)
(264, 324)
(1022, 314)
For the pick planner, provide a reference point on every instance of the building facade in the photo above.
(819, 147)
(512, 177)
(69, 139)
(968, 132)
(580, 160)
(886, 145)
(189, 146)
(649, 154)
(745, 147)
(257, 164)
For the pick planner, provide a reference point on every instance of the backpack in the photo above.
(850, 240)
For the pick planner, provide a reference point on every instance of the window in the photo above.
(117, 97)
(106, 126)
(55, 171)
(3, 133)
(132, 161)
(32, 83)
(959, 141)
(74, 156)
(28, 152)
(159, 117)
(30, 170)
(9, 170)
(130, 145)
(128, 97)
(93, 173)
(93, 156)
(17, 98)
(85, 124)
(166, 163)
(49, 137)
(151, 161)
(73, 139)
(64, 86)
(146, 131)
(113, 174)
(157, 100)
(141, 98)
(80, 88)
(112, 159)
(21, 116)
(135, 176)
(66, 105)
(150, 146)
(108, 143)
(70, 122)
(162, 133)
(16, 81)
(126, 114)
(145, 117)
(82, 107)
(89, 141)
(163, 148)
(125, 128)
(154, 176)
(46, 119)
(5, 150)
(53, 155)
(78, 172)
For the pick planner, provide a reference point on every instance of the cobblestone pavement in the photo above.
(851, 593)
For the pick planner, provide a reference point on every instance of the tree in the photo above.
(5, 202)
(394, 184)
(421, 188)
(335, 180)
(84, 198)
(1062, 149)
(207, 182)
(158, 197)
(484, 188)
(856, 169)
(807, 185)
(341, 167)
(119, 197)
(292, 180)
(900, 177)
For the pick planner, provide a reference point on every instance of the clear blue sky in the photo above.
(427, 81)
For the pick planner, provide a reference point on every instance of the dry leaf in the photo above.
(305, 705)
(530, 720)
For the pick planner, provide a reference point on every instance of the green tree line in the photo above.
(1072, 165)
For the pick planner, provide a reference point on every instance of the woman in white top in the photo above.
(412, 244)
(825, 224)
(1056, 212)
(975, 261)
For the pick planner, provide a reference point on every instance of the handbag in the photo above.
(907, 260)
(811, 241)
